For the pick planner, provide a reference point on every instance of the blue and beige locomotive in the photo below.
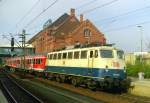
(94, 67)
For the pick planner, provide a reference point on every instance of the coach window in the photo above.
(91, 54)
(76, 55)
(83, 54)
(70, 55)
(28, 62)
(40, 61)
(34, 61)
(18, 62)
(59, 55)
(55, 56)
(37, 61)
(31, 61)
(64, 55)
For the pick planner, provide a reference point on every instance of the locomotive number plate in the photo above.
(116, 74)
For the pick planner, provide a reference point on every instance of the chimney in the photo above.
(72, 12)
(81, 18)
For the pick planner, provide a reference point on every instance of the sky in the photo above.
(123, 22)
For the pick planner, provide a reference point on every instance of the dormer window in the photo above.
(87, 32)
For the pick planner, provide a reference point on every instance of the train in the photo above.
(93, 67)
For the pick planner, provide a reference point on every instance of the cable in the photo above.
(30, 10)
(125, 27)
(40, 13)
(87, 3)
(2, 2)
(123, 14)
(106, 4)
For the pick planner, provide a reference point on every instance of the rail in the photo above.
(16, 93)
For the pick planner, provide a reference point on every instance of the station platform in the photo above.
(140, 87)
(2, 98)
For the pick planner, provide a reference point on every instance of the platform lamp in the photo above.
(141, 33)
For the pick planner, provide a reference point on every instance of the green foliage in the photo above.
(133, 70)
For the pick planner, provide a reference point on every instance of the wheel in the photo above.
(74, 82)
(58, 79)
(91, 85)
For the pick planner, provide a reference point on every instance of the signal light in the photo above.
(12, 44)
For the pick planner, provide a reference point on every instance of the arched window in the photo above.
(87, 32)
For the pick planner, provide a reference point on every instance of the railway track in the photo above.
(99, 95)
(15, 93)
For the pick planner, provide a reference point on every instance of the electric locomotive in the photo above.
(101, 66)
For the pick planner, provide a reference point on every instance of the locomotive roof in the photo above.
(76, 49)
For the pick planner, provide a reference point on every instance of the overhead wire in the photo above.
(28, 12)
(35, 18)
(124, 14)
(83, 5)
(76, 8)
(103, 5)
(125, 27)
(37, 15)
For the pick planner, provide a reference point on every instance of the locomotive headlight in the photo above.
(125, 70)
(106, 70)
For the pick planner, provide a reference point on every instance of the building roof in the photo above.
(59, 20)
(62, 25)
(67, 26)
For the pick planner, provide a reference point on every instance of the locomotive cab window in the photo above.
(106, 53)
(120, 54)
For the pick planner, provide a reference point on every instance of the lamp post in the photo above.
(141, 33)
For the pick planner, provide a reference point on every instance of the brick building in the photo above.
(67, 30)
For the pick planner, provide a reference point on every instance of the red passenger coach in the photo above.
(34, 63)
(39, 63)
